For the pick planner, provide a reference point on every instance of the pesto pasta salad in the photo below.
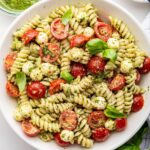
(75, 78)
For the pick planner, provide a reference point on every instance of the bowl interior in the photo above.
(105, 8)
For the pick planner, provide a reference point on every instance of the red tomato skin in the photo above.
(36, 90)
(100, 134)
(29, 129)
(9, 61)
(96, 64)
(121, 124)
(55, 86)
(53, 48)
(29, 36)
(68, 120)
(117, 83)
(146, 66)
(63, 33)
(12, 90)
(107, 27)
(96, 119)
(77, 40)
(59, 141)
(138, 103)
(138, 77)
(78, 69)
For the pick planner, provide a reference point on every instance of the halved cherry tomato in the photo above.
(146, 66)
(59, 141)
(59, 30)
(68, 120)
(50, 53)
(77, 40)
(12, 90)
(96, 119)
(29, 129)
(103, 31)
(55, 86)
(138, 103)
(9, 60)
(117, 83)
(36, 90)
(78, 69)
(121, 124)
(138, 77)
(96, 64)
(29, 36)
(100, 134)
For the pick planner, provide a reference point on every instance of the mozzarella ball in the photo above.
(126, 66)
(36, 74)
(88, 32)
(67, 135)
(45, 68)
(113, 43)
(42, 38)
(110, 124)
(27, 67)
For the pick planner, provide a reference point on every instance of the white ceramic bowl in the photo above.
(105, 7)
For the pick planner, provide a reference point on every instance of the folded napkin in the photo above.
(146, 140)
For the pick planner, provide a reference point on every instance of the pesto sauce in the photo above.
(17, 4)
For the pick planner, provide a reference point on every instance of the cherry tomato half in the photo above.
(29, 129)
(50, 53)
(29, 36)
(9, 61)
(138, 77)
(121, 124)
(12, 90)
(78, 69)
(138, 103)
(117, 83)
(36, 90)
(68, 120)
(100, 134)
(96, 119)
(96, 64)
(59, 141)
(55, 86)
(59, 30)
(103, 31)
(146, 66)
(77, 40)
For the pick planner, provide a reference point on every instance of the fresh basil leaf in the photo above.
(21, 81)
(67, 17)
(66, 76)
(110, 54)
(96, 46)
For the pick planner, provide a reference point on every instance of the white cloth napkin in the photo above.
(146, 140)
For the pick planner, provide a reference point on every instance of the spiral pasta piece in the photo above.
(122, 28)
(82, 112)
(48, 118)
(34, 103)
(46, 136)
(40, 111)
(43, 125)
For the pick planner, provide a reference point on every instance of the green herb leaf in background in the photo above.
(67, 17)
(110, 54)
(134, 143)
(66, 76)
(21, 81)
(96, 46)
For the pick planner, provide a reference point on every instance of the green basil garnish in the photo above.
(96, 46)
(110, 54)
(21, 81)
(66, 76)
(67, 17)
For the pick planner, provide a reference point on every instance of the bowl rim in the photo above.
(42, 2)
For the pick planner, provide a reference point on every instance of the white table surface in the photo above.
(8, 139)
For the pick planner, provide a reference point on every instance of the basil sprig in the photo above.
(67, 17)
(21, 81)
(66, 76)
(110, 54)
(96, 46)
(112, 112)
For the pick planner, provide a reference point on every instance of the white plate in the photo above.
(105, 7)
